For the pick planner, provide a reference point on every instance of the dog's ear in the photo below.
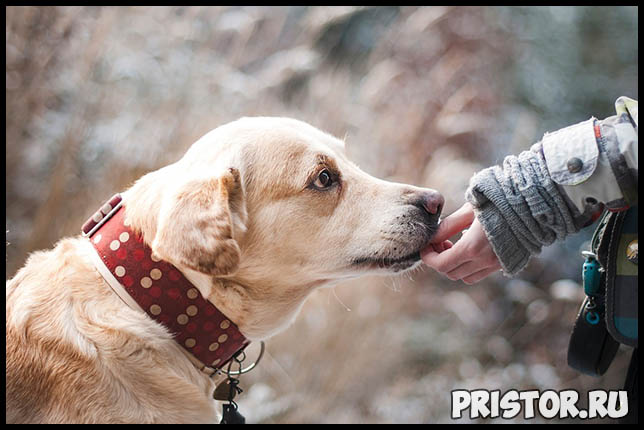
(195, 225)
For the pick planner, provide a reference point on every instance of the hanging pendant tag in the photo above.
(226, 391)
(223, 392)
(231, 415)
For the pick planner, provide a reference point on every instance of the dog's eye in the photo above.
(324, 180)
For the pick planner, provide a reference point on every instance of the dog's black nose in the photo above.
(431, 202)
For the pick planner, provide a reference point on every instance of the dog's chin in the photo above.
(392, 265)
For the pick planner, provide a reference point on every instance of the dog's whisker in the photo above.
(394, 283)
(340, 301)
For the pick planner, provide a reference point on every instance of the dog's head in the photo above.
(275, 202)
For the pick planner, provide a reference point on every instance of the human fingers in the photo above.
(480, 275)
(445, 261)
(466, 269)
(442, 246)
(469, 255)
(454, 223)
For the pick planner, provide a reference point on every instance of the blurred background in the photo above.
(98, 96)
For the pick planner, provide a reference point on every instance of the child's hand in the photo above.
(471, 258)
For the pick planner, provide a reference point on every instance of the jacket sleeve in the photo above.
(558, 186)
(596, 161)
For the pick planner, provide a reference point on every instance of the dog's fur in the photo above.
(242, 215)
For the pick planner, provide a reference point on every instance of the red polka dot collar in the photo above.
(160, 290)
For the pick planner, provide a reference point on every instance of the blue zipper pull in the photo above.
(591, 274)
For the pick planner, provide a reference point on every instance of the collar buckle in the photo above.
(102, 215)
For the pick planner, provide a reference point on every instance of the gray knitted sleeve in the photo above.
(520, 208)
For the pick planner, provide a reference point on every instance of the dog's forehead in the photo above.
(291, 133)
(274, 140)
(267, 150)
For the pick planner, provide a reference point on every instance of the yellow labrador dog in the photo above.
(256, 215)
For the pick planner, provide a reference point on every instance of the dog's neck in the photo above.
(258, 315)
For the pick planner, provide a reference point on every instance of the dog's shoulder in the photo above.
(46, 357)
(70, 340)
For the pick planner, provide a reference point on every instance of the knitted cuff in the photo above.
(511, 254)
(520, 208)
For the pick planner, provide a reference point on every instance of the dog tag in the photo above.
(223, 392)
(231, 415)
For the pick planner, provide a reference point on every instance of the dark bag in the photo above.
(621, 278)
(608, 315)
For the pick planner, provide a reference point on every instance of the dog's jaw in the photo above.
(390, 265)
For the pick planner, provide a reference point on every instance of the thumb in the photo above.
(454, 223)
